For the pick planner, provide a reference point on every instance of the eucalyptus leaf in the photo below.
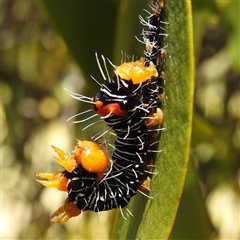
(110, 27)
(157, 218)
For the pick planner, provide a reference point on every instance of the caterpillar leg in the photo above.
(53, 180)
(145, 184)
(155, 119)
(64, 213)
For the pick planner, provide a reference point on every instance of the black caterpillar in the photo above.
(129, 104)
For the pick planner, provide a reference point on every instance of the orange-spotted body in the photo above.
(122, 92)
(90, 155)
(129, 104)
(90, 158)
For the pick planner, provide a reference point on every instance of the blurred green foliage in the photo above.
(35, 67)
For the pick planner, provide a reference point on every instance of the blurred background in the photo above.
(36, 66)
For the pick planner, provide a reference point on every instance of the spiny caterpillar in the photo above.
(129, 103)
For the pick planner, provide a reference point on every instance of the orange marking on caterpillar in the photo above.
(136, 71)
(66, 160)
(53, 180)
(92, 157)
(112, 108)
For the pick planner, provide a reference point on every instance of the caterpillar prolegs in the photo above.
(129, 103)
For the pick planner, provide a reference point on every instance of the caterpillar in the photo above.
(129, 103)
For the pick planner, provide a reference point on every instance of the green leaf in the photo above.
(108, 27)
(158, 217)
